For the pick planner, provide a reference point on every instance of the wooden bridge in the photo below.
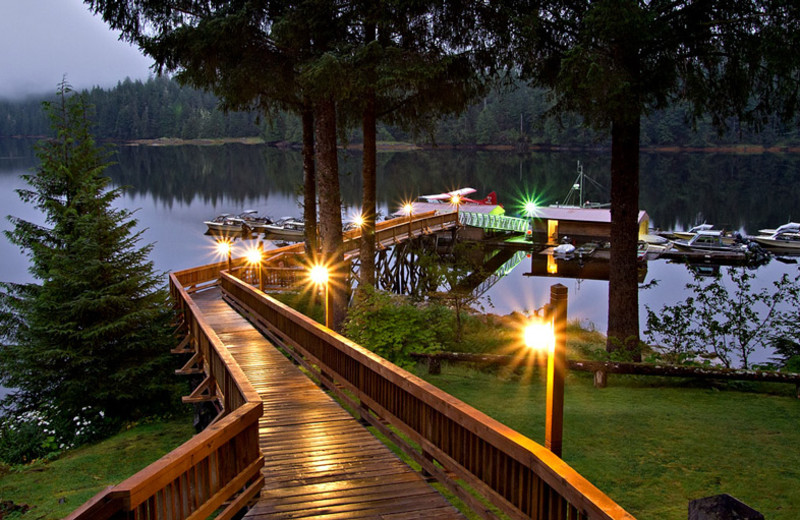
(281, 447)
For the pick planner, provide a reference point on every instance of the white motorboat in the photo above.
(786, 241)
(726, 237)
(789, 227)
(246, 222)
(650, 251)
(286, 228)
(710, 240)
(687, 235)
(563, 250)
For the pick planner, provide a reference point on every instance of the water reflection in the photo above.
(176, 188)
(594, 267)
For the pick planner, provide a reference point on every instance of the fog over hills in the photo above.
(42, 41)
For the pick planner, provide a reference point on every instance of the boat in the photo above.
(710, 240)
(649, 251)
(726, 237)
(564, 250)
(586, 249)
(574, 198)
(687, 235)
(286, 228)
(789, 227)
(786, 241)
(246, 222)
(223, 223)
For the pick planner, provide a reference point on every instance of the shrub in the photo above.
(393, 326)
(43, 434)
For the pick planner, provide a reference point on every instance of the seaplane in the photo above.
(460, 195)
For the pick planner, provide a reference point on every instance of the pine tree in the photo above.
(92, 330)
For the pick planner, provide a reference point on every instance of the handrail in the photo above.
(488, 221)
(397, 229)
(222, 464)
(514, 473)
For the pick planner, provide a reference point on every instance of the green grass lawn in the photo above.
(654, 444)
(54, 489)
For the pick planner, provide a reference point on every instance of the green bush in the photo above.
(393, 326)
(44, 433)
(23, 442)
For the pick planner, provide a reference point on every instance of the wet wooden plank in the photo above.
(319, 461)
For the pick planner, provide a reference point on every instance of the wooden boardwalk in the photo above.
(319, 461)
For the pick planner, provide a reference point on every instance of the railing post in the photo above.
(556, 371)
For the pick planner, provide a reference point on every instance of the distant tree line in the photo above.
(519, 116)
(158, 107)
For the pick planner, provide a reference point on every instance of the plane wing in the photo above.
(448, 195)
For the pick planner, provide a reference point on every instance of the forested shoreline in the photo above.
(160, 108)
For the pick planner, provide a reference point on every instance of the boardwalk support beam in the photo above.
(205, 391)
(193, 366)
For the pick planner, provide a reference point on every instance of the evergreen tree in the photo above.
(613, 62)
(93, 330)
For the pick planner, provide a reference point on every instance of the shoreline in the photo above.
(404, 146)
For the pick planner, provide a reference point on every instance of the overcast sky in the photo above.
(41, 41)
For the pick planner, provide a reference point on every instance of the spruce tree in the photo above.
(93, 329)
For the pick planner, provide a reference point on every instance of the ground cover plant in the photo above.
(654, 444)
(53, 489)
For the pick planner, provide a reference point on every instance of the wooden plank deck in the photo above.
(319, 461)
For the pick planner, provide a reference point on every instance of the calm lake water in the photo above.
(175, 188)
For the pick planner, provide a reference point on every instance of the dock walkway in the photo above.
(319, 461)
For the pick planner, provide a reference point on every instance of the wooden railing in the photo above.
(219, 466)
(285, 269)
(452, 441)
(398, 229)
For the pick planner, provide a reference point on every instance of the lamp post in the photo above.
(255, 257)
(551, 335)
(358, 221)
(455, 200)
(319, 276)
(408, 208)
(530, 211)
(224, 248)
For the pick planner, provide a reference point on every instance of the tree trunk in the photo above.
(309, 183)
(368, 167)
(623, 288)
(368, 197)
(330, 210)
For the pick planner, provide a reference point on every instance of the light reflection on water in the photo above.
(173, 191)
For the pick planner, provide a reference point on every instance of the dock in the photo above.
(319, 461)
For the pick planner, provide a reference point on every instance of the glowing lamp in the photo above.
(318, 274)
(253, 256)
(539, 334)
(224, 247)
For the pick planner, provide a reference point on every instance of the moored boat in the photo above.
(246, 222)
(710, 240)
(649, 251)
(287, 228)
(726, 237)
(785, 241)
(789, 227)
(574, 198)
